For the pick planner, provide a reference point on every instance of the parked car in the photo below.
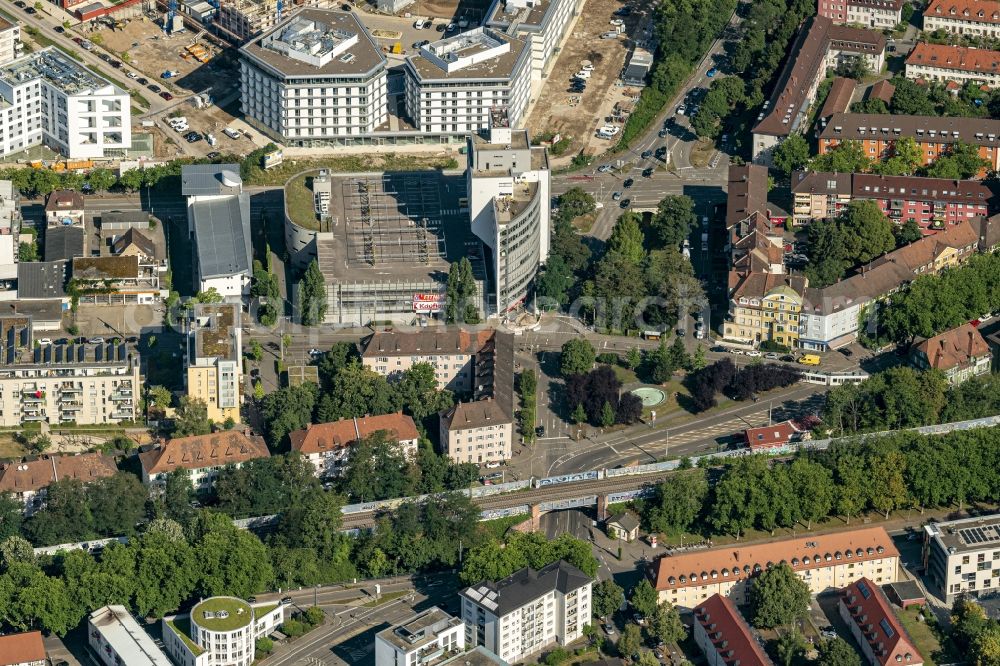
(604, 168)
(31, 10)
(20, 5)
(681, 110)
(142, 81)
(155, 88)
(647, 172)
(315, 352)
(753, 353)
(286, 600)
(45, 341)
(213, 155)
(646, 154)
(616, 196)
(712, 72)
(627, 183)
(193, 137)
(846, 352)
(771, 356)
(662, 133)
(96, 341)
(167, 96)
(59, 29)
(625, 203)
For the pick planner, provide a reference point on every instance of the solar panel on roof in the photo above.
(38, 355)
(59, 354)
(81, 353)
(99, 353)
(863, 588)
(47, 353)
(121, 352)
(110, 352)
(886, 627)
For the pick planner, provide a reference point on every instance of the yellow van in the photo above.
(809, 359)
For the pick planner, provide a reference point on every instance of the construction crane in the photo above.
(171, 13)
(281, 6)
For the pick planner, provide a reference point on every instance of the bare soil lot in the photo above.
(578, 116)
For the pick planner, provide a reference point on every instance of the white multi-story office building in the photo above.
(52, 99)
(527, 611)
(453, 85)
(509, 186)
(425, 638)
(317, 76)
(543, 22)
(218, 212)
(963, 557)
(219, 631)
(118, 640)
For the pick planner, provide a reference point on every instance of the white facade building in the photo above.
(52, 99)
(220, 631)
(118, 640)
(317, 76)
(423, 639)
(543, 22)
(477, 432)
(327, 446)
(877, 14)
(963, 17)
(10, 41)
(203, 456)
(962, 557)
(528, 611)
(218, 213)
(509, 209)
(452, 85)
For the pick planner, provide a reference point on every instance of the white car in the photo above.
(681, 110)
(45, 341)
(132, 75)
(736, 352)
(231, 133)
(753, 353)
(315, 352)
(616, 22)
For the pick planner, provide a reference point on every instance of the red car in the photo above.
(167, 96)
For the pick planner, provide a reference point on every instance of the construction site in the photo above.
(390, 242)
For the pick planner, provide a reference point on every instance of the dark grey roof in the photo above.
(64, 243)
(40, 310)
(41, 279)
(210, 179)
(635, 74)
(626, 520)
(222, 235)
(139, 218)
(524, 586)
(906, 590)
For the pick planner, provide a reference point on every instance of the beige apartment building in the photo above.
(327, 446)
(203, 456)
(477, 432)
(824, 562)
(214, 372)
(28, 481)
(450, 351)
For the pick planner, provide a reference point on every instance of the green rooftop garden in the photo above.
(182, 627)
(234, 614)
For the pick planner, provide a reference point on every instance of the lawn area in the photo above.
(182, 627)
(584, 223)
(353, 163)
(9, 449)
(299, 199)
(386, 598)
(624, 375)
(701, 153)
(924, 638)
(499, 526)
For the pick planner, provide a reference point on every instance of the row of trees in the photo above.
(930, 98)
(903, 470)
(684, 30)
(527, 388)
(932, 304)
(907, 398)
(739, 383)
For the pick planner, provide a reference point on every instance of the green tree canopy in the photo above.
(778, 597)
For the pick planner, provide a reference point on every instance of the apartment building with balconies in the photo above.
(823, 562)
(875, 14)
(214, 370)
(962, 557)
(976, 18)
(426, 639)
(529, 610)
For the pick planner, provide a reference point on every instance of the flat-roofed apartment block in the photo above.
(54, 100)
(877, 14)
(543, 21)
(314, 77)
(327, 446)
(118, 640)
(10, 41)
(212, 359)
(509, 194)
(27, 481)
(203, 456)
(940, 62)
(424, 639)
(724, 637)
(933, 203)
(218, 213)
(527, 611)
(245, 19)
(963, 17)
(824, 562)
(84, 383)
(962, 557)
(453, 84)
(819, 46)
(878, 133)
(220, 631)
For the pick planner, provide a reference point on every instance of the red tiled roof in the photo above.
(838, 99)
(982, 11)
(21, 648)
(343, 433)
(882, 90)
(871, 612)
(20, 477)
(198, 451)
(954, 57)
(695, 568)
(954, 348)
(426, 343)
(766, 437)
(747, 192)
(729, 633)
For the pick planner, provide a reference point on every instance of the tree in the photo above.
(210, 295)
(376, 469)
(191, 418)
(15, 549)
(65, 517)
(778, 597)
(630, 640)
(579, 414)
(356, 391)
(837, 652)
(673, 220)
(577, 357)
(231, 561)
(101, 180)
(813, 487)
(575, 202)
(644, 598)
(460, 292)
(677, 503)
(607, 415)
(845, 157)
(117, 504)
(27, 251)
(792, 154)
(289, 408)
(633, 358)
(37, 601)
(11, 516)
(791, 647)
(665, 624)
(908, 232)
(986, 646)
(867, 231)
(177, 496)
(555, 281)
(698, 360)
(312, 295)
(854, 67)
(166, 573)
(627, 240)
(608, 598)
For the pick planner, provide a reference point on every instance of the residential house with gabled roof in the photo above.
(960, 353)
(203, 456)
(769, 437)
(24, 649)
(823, 562)
(963, 17)
(28, 480)
(327, 446)
(724, 637)
(865, 610)
(764, 306)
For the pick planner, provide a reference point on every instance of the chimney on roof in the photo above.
(971, 341)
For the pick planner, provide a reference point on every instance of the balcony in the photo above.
(32, 398)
